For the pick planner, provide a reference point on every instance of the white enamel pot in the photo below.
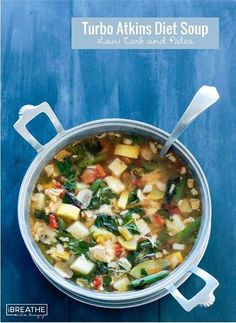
(167, 285)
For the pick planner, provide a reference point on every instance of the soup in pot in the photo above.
(112, 215)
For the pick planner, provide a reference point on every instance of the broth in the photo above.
(112, 215)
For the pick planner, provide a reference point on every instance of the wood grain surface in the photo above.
(154, 86)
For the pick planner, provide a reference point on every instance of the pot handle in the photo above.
(28, 113)
(204, 298)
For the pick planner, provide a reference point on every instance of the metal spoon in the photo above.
(202, 100)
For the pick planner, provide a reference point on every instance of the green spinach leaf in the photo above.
(66, 168)
(129, 223)
(133, 198)
(171, 189)
(143, 272)
(108, 222)
(76, 246)
(164, 213)
(42, 216)
(101, 268)
(70, 183)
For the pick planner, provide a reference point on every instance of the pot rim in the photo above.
(197, 251)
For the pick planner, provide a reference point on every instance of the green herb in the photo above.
(108, 222)
(146, 244)
(127, 218)
(42, 216)
(137, 209)
(132, 256)
(64, 234)
(133, 198)
(102, 194)
(94, 203)
(107, 281)
(76, 246)
(93, 146)
(70, 183)
(180, 189)
(66, 167)
(106, 195)
(88, 278)
(61, 224)
(78, 150)
(66, 199)
(164, 213)
(129, 223)
(91, 160)
(101, 268)
(95, 185)
(143, 272)
(99, 158)
(150, 166)
(132, 228)
(136, 139)
(171, 189)
(44, 249)
(87, 160)
(189, 230)
(147, 247)
(163, 236)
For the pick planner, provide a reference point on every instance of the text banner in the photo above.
(145, 33)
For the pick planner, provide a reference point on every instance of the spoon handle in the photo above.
(205, 97)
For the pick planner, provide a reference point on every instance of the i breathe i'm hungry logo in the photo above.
(39, 310)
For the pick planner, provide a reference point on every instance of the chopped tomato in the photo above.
(97, 282)
(100, 171)
(91, 174)
(58, 179)
(174, 210)
(158, 220)
(58, 185)
(118, 249)
(53, 221)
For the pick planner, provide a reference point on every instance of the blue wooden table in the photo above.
(154, 86)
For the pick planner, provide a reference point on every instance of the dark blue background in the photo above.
(152, 86)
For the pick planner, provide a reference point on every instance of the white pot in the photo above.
(113, 299)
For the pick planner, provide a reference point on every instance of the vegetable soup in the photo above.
(112, 215)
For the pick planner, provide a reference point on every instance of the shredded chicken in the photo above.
(42, 232)
(104, 252)
(176, 225)
(54, 193)
(53, 206)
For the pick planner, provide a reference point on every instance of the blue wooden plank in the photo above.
(32, 73)
(153, 86)
(211, 140)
